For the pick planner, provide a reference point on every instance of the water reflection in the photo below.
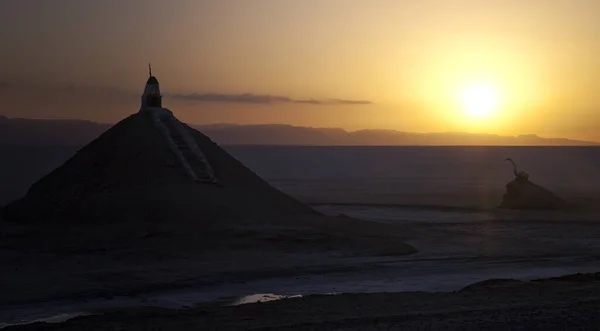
(261, 297)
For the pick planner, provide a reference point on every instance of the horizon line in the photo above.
(522, 135)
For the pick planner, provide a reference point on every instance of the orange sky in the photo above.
(410, 59)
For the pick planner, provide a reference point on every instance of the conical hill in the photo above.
(150, 167)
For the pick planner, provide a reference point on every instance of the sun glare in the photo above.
(479, 100)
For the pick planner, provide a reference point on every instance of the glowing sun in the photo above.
(479, 100)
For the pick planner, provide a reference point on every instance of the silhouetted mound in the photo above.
(134, 172)
(523, 194)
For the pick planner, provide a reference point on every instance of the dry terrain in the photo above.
(570, 303)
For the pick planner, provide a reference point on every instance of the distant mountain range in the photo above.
(32, 132)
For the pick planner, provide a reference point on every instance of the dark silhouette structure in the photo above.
(521, 175)
(151, 97)
(521, 193)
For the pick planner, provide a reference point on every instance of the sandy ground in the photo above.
(53, 262)
(563, 304)
(45, 264)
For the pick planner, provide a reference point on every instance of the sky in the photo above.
(505, 67)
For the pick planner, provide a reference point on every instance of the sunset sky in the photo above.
(506, 67)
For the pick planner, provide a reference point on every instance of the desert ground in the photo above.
(423, 263)
(568, 303)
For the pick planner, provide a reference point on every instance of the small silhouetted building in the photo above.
(151, 97)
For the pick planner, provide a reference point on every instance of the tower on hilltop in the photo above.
(151, 97)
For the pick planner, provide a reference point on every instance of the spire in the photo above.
(151, 80)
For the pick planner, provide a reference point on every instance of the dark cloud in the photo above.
(260, 99)
(352, 102)
(334, 102)
(232, 98)
(90, 91)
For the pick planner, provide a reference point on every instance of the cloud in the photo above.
(260, 99)
(95, 92)
(232, 98)
(334, 102)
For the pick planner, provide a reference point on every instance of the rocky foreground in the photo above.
(566, 303)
